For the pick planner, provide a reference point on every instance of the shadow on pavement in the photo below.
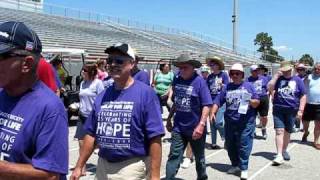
(267, 155)
(219, 167)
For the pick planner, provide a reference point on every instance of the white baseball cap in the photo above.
(237, 67)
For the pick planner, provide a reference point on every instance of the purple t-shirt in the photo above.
(260, 84)
(142, 76)
(34, 130)
(232, 95)
(189, 98)
(124, 121)
(288, 92)
(216, 82)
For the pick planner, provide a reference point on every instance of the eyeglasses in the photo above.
(212, 64)
(117, 60)
(235, 73)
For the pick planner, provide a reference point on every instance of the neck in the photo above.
(237, 82)
(19, 87)
(124, 83)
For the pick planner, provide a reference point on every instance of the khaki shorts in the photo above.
(132, 169)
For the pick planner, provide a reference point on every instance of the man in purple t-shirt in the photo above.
(33, 129)
(125, 123)
(260, 83)
(192, 103)
(139, 74)
(289, 100)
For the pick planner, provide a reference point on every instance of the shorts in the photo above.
(263, 107)
(135, 168)
(80, 132)
(284, 118)
(311, 112)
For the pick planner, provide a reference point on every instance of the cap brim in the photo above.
(113, 49)
(217, 61)
(194, 63)
(287, 68)
(5, 48)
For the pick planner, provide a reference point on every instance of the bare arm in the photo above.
(273, 81)
(14, 171)
(86, 151)
(213, 111)
(155, 158)
(198, 131)
(254, 103)
(303, 101)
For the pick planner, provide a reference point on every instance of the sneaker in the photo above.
(186, 163)
(214, 146)
(259, 125)
(305, 136)
(264, 133)
(278, 160)
(286, 156)
(233, 170)
(244, 175)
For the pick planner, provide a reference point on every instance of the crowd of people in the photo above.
(120, 111)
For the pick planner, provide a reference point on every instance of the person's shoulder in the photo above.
(141, 85)
(51, 100)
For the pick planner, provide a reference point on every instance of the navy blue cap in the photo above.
(16, 35)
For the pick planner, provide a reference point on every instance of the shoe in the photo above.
(259, 125)
(278, 160)
(244, 175)
(186, 163)
(264, 133)
(296, 130)
(317, 146)
(286, 156)
(214, 146)
(233, 170)
(305, 136)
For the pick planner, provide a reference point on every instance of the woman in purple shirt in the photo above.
(241, 102)
(289, 100)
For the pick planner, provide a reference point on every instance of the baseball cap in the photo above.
(253, 67)
(16, 35)
(285, 66)
(237, 67)
(123, 48)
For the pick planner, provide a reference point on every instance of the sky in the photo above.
(293, 24)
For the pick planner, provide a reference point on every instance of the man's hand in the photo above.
(198, 131)
(169, 125)
(77, 173)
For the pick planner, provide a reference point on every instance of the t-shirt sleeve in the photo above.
(152, 116)
(205, 96)
(301, 87)
(91, 123)
(253, 92)
(100, 87)
(52, 144)
(220, 98)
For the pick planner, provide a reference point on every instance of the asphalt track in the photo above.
(304, 163)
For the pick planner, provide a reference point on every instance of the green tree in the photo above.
(264, 41)
(306, 59)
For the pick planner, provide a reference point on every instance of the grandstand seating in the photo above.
(94, 37)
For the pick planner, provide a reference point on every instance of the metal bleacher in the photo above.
(94, 37)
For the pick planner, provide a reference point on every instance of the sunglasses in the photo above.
(8, 55)
(235, 73)
(300, 69)
(213, 64)
(119, 60)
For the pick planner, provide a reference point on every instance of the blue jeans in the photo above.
(239, 140)
(177, 148)
(218, 125)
